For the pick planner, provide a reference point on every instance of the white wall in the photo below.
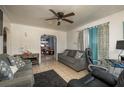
(115, 28)
(32, 41)
(6, 23)
(1, 44)
(16, 37)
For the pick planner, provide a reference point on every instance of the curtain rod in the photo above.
(96, 25)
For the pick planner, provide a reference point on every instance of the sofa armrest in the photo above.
(105, 76)
(74, 83)
(92, 67)
(26, 81)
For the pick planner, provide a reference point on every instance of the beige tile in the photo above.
(64, 71)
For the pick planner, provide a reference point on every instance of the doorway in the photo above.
(48, 48)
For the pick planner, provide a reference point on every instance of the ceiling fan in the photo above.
(60, 16)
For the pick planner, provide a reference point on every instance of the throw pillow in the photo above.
(71, 53)
(65, 53)
(19, 62)
(5, 58)
(78, 55)
(5, 71)
(12, 60)
(14, 69)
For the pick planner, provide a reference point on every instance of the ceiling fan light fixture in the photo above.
(59, 20)
(60, 16)
(58, 23)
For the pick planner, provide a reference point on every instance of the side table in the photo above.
(34, 58)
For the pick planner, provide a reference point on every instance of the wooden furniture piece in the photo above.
(34, 58)
(47, 51)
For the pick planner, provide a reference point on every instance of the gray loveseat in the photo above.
(22, 78)
(70, 60)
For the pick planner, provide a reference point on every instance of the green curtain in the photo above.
(96, 38)
(99, 42)
(93, 43)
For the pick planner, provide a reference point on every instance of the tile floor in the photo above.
(64, 71)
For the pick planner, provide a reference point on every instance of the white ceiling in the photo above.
(34, 15)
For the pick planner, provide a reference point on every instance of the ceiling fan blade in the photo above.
(58, 23)
(70, 14)
(67, 20)
(54, 12)
(50, 19)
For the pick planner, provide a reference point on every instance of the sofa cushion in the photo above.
(78, 54)
(4, 57)
(65, 53)
(26, 67)
(26, 70)
(25, 81)
(70, 59)
(16, 61)
(5, 71)
(74, 83)
(61, 56)
(19, 62)
(105, 76)
(12, 60)
(14, 69)
(23, 73)
(67, 59)
(96, 83)
(91, 81)
(71, 53)
(87, 81)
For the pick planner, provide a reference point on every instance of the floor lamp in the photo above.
(120, 45)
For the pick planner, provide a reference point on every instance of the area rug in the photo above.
(49, 79)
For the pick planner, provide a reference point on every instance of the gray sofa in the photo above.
(71, 61)
(22, 78)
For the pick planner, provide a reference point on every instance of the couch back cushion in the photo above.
(4, 57)
(79, 54)
(65, 52)
(5, 71)
(71, 53)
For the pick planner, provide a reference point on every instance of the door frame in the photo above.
(55, 45)
(5, 38)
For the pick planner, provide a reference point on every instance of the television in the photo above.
(1, 22)
(120, 44)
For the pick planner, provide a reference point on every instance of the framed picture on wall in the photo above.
(1, 22)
